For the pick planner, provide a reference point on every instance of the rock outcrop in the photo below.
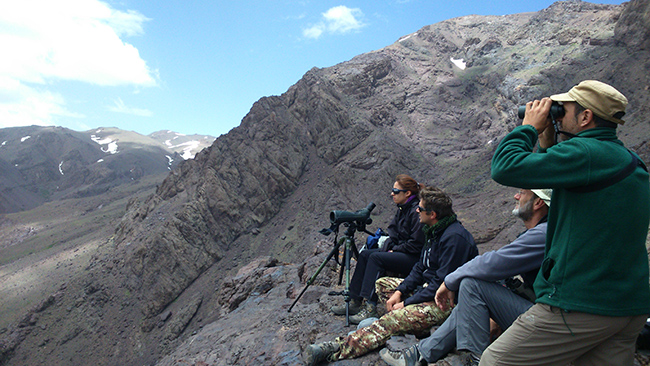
(633, 28)
(434, 105)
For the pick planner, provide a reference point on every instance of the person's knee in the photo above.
(471, 285)
(487, 358)
(378, 259)
(387, 284)
(365, 255)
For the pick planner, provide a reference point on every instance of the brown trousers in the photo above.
(549, 336)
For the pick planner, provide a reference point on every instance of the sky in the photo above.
(193, 67)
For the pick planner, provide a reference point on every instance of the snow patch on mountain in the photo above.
(460, 63)
(170, 161)
(111, 145)
(186, 146)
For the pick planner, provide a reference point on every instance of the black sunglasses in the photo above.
(397, 191)
(422, 209)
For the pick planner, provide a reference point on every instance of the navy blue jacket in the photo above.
(452, 249)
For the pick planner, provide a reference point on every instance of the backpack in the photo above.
(373, 240)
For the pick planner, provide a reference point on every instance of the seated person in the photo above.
(480, 296)
(398, 255)
(448, 246)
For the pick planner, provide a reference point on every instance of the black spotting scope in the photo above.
(362, 216)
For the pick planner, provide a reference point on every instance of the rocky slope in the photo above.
(434, 104)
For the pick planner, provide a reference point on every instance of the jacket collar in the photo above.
(412, 201)
(601, 133)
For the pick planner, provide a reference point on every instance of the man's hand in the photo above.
(547, 138)
(394, 299)
(444, 297)
(538, 114)
(495, 330)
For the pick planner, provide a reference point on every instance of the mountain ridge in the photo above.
(50, 163)
(203, 269)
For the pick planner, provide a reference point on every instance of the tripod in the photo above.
(353, 222)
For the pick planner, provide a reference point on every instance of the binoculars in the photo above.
(557, 111)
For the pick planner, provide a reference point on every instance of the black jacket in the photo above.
(405, 230)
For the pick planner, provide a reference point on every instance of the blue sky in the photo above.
(189, 66)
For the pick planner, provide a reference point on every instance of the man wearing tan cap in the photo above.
(592, 290)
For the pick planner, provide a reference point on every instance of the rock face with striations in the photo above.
(434, 105)
(633, 28)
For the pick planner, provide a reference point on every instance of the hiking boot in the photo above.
(422, 334)
(406, 357)
(462, 358)
(317, 353)
(468, 358)
(355, 306)
(368, 311)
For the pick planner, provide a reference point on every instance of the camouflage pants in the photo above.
(414, 318)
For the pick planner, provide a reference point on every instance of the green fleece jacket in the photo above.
(595, 258)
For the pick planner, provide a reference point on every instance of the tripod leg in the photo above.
(349, 243)
(311, 280)
(355, 251)
(342, 268)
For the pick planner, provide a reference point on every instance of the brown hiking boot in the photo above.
(317, 353)
(462, 358)
(369, 311)
(406, 357)
(355, 306)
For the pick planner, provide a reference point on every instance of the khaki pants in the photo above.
(546, 335)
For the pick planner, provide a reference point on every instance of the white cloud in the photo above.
(341, 19)
(22, 105)
(313, 32)
(337, 20)
(120, 107)
(47, 41)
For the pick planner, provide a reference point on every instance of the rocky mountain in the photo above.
(41, 164)
(203, 271)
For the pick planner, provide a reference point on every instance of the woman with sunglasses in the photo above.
(398, 254)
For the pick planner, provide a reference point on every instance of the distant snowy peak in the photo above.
(187, 146)
(72, 164)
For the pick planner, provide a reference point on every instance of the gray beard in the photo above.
(524, 212)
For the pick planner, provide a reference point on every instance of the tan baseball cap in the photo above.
(544, 194)
(602, 99)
